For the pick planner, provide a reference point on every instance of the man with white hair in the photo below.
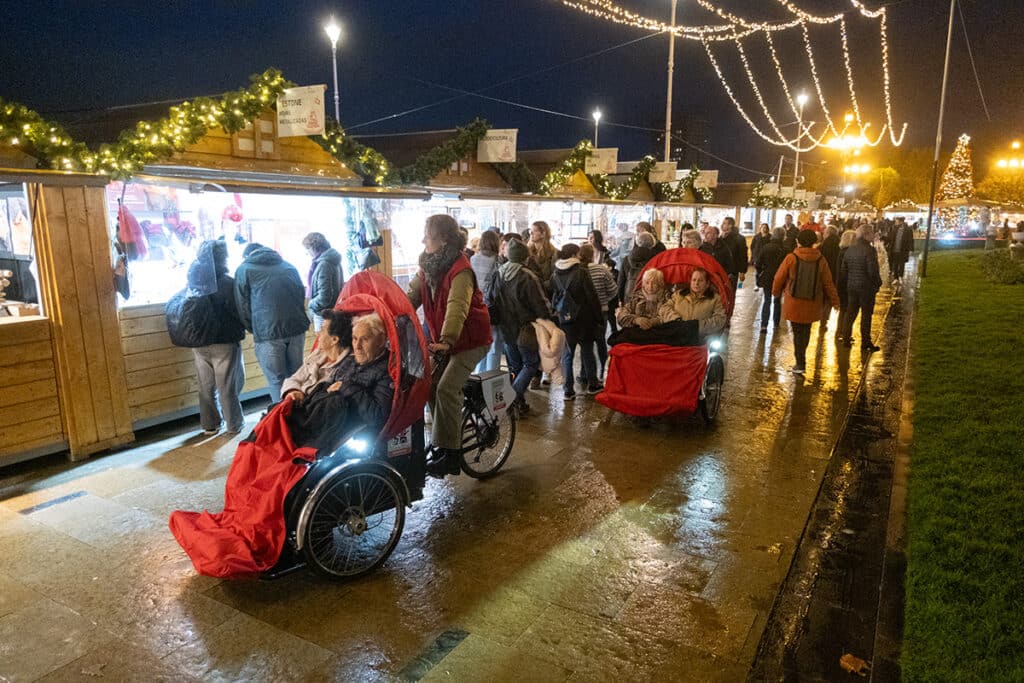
(859, 270)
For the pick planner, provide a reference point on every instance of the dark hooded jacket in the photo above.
(830, 250)
(769, 258)
(859, 268)
(631, 267)
(573, 277)
(326, 281)
(270, 296)
(722, 252)
(520, 299)
(198, 317)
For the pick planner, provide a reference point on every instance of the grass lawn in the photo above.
(965, 574)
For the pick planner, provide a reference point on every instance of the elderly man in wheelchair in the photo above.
(295, 498)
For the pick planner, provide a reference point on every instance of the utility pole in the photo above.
(671, 68)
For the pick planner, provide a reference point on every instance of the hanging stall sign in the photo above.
(603, 161)
(770, 189)
(300, 111)
(707, 179)
(800, 195)
(497, 146)
(663, 172)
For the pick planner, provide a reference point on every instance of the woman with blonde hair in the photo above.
(542, 253)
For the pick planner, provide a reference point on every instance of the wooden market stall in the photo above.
(64, 373)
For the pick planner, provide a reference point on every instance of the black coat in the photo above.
(738, 250)
(771, 256)
(576, 280)
(195, 322)
(860, 268)
(631, 267)
(901, 244)
(830, 250)
(756, 244)
(520, 301)
(791, 233)
(325, 281)
(721, 253)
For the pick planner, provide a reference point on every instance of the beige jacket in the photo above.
(314, 370)
(709, 312)
(659, 311)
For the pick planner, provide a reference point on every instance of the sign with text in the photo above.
(770, 189)
(706, 179)
(497, 146)
(300, 111)
(602, 161)
(663, 172)
(800, 195)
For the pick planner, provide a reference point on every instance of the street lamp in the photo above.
(597, 120)
(333, 32)
(801, 100)
(668, 94)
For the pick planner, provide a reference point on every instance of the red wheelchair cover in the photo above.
(651, 380)
(248, 536)
(677, 266)
(370, 291)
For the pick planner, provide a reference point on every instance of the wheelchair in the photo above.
(346, 515)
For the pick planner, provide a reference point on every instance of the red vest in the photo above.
(476, 331)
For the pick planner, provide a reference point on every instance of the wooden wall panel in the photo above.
(29, 407)
(73, 244)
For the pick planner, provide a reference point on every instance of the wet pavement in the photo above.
(605, 550)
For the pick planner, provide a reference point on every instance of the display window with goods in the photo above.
(19, 277)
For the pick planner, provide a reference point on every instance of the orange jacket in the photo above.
(804, 310)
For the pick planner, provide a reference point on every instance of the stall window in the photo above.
(160, 228)
(19, 291)
(576, 219)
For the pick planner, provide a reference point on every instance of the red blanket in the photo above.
(654, 379)
(248, 536)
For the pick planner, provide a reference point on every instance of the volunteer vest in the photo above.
(476, 331)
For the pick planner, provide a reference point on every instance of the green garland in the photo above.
(441, 157)
(567, 168)
(665, 192)
(24, 129)
(519, 176)
(773, 201)
(364, 161)
(639, 173)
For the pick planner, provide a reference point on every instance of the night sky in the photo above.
(395, 56)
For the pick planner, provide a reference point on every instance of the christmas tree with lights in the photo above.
(957, 184)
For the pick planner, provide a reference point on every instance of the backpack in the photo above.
(805, 279)
(565, 304)
(190, 319)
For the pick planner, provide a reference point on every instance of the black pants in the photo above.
(862, 302)
(801, 338)
(897, 264)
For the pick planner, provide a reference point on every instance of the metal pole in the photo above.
(938, 143)
(799, 134)
(596, 122)
(334, 57)
(668, 99)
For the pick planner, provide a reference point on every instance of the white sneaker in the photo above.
(797, 370)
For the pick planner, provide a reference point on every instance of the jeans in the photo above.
(768, 304)
(524, 364)
(492, 361)
(801, 338)
(863, 302)
(221, 373)
(446, 399)
(279, 359)
(318, 322)
(589, 370)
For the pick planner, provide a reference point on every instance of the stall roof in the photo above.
(734, 194)
(49, 177)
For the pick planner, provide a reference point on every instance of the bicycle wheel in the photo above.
(712, 401)
(494, 444)
(354, 525)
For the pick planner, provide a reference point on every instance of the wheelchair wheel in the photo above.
(712, 390)
(354, 524)
(495, 444)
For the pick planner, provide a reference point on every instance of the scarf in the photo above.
(436, 265)
(509, 270)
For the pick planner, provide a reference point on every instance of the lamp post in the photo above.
(597, 121)
(668, 97)
(801, 100)
(333, 32)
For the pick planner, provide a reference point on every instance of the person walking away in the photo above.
(642, 252)
(607, 289)
(603, 256)
(517, 293)
(769, 259)
(829, 249)
(459, 325)
(575, 302)
(204, 317)
(271, 304)
(718, 249)
(860, 272)
(806, 282)
(845, 241)
(484, 264)
(737, 245)
(325, 276)
(791, 232)
(901, 243)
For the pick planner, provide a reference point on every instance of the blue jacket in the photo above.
(270, 296)
(859, 268)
